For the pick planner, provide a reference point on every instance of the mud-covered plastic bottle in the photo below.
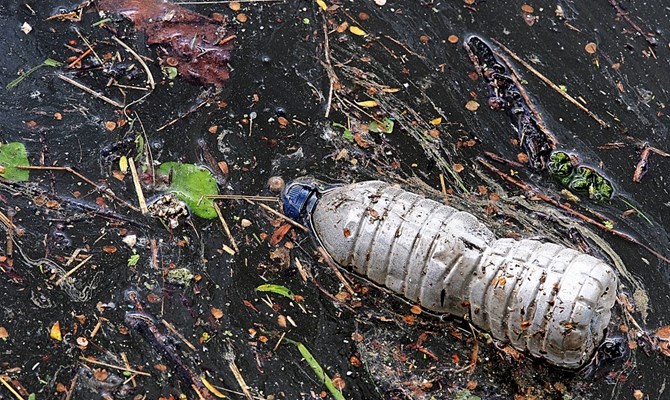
(549, 300)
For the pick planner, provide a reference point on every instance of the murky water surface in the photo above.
(279, 72)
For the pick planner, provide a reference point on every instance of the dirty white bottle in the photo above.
(549, 300)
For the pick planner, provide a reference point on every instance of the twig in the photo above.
(70, 390)
(10, 241)
(227, 2)
(106, 191)
(280, 215)
(407, 49)
(242, 197)
(73, 270)
(181, 337)
(643, 165)
(572, 212)
(647, 36)
(225, 227)
(279, 342)
(240, 379)
(474, 356)
(150, 77)
(104, 364)
(184, 115)
(11, 389)
(81, 57)
(443, 185)
(538, 117)
(127, 364)
(329, 261)
(551, 84)
(90, 91)
(88, 44)
(138, 186)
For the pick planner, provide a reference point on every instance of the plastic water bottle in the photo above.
(549, 300)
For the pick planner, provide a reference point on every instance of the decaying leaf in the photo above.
(662, 337)
(200, 45)
(279, 234)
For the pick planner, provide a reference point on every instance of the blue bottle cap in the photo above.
(298, 198)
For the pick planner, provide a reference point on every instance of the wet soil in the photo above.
(279, 69)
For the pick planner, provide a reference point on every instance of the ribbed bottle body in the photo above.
(549, 300)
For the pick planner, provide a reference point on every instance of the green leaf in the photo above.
(385, 126)
(11, 155)
(190, 183)
(320, 373)
(49, 62)
(278, 289)
(465, 394)
(170, 72)
(133, 260)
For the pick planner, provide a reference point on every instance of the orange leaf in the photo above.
(279, 234)
(55, 332)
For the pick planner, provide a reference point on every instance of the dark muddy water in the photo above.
(279, 69)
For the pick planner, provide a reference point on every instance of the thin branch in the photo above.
(104, 364)
(551, 84)
(138, 187)
(90, 91)
(572, 212)
(106, 191)
(225, 227)
(280, 215)
(150, 77)
(73, 270)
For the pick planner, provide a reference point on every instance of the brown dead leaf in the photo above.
(662, 336)
(522, 158)
(217, 313)
(279, 234)
(182, 34)
(100, 374)
(527, 8)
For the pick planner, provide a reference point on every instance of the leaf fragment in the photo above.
(12, 155)
(277, 289)
(190, 183)
(322, 4)
(357, 31)
(55, 333)
(320, 373)
(211, 388)
(368, 103)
